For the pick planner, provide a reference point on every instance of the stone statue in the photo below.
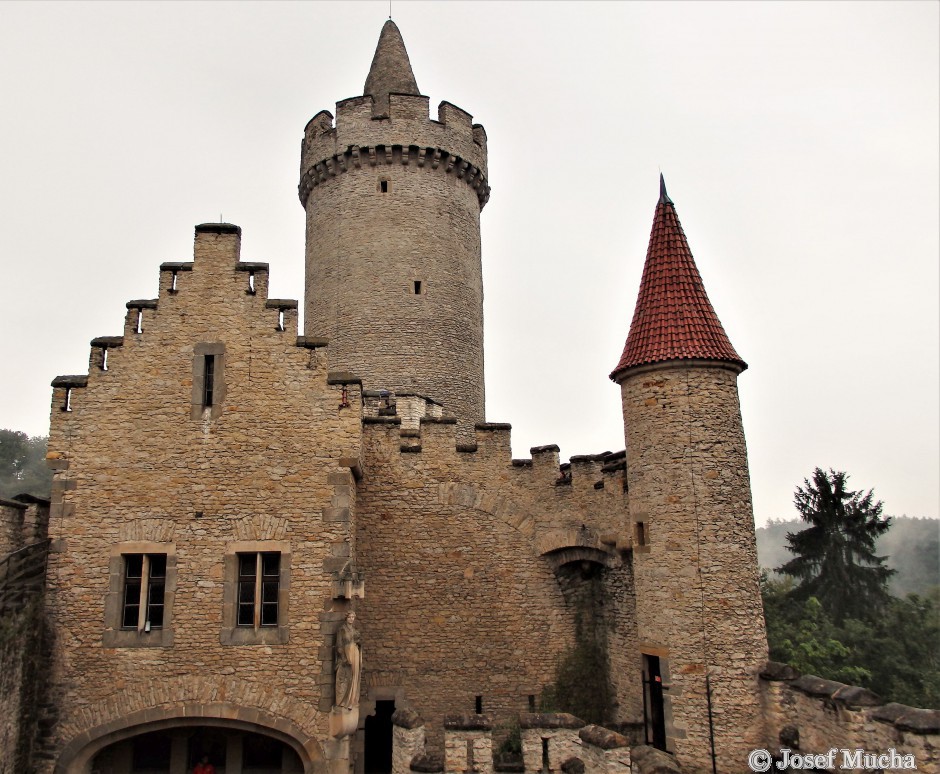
(348, 661)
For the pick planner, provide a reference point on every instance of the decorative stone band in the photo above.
(430, 159)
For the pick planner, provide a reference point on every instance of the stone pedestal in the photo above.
(343, 722)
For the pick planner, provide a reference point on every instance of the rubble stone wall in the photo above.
(141, 466)
(697, 595)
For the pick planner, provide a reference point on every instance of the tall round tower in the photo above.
(393, 200)
(699, 616)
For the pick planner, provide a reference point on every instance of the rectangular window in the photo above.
(208, 381)
(144, 591)
(208, 389)
(258, 587)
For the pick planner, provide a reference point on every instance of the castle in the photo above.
(226, 493)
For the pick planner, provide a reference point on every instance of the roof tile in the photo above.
(673, 319)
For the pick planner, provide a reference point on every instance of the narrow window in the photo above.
(383, 186)
(545, 758)
(208, 381)
(67, 403)
(173, 278)
(641, 539)
(251, 283)
(104, 358)
(144, 591)
(531, 702)
(258, 587)
(417, 287)
(280, 319)
(139, 328)
(479, 705)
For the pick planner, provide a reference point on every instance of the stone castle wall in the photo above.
(394, 277)
(697, 596)
(24, 641)
(812, 716)
(142, 467)
(463, 549)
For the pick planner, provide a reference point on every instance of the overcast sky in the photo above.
(799, 142)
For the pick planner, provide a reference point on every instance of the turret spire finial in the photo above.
(663, 196)
(391, 71)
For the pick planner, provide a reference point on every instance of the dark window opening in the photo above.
(531, 702)
(641, 538)
(208, 386)
(545, 754)
(258, 588)
(383, 186)
(144, 591)
(479, 705)
(417, 287)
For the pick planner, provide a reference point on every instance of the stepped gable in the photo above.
(673, 319)
(391, 71)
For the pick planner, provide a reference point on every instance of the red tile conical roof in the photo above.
(673, 319)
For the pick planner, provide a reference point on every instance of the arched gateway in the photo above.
(235, 740)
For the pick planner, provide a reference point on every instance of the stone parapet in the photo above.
(812, 715)
(407, 740)
(553, 741)
(452, 142)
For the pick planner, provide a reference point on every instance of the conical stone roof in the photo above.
(391, 70)
(673, 319)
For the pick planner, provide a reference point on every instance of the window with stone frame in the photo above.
(144, 591)
(208, 390)
(139, 602)
(258, 580)
(255, 593)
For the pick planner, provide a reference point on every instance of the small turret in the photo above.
(699, 617)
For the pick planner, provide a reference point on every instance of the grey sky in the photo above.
(799, 142)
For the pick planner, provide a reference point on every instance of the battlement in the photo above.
(452, 143)
(436, 435)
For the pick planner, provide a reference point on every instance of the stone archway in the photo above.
(77, 756)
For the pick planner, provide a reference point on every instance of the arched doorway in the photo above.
(177, 750)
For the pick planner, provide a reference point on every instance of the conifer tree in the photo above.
(835, 558)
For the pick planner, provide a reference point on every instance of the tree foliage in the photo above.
(894, 654)
(834, 558)
(23, 465)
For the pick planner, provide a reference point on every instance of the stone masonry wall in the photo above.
(810, 715)
(141, 466)
(394, 274)
(697, 596)
(460, 546)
